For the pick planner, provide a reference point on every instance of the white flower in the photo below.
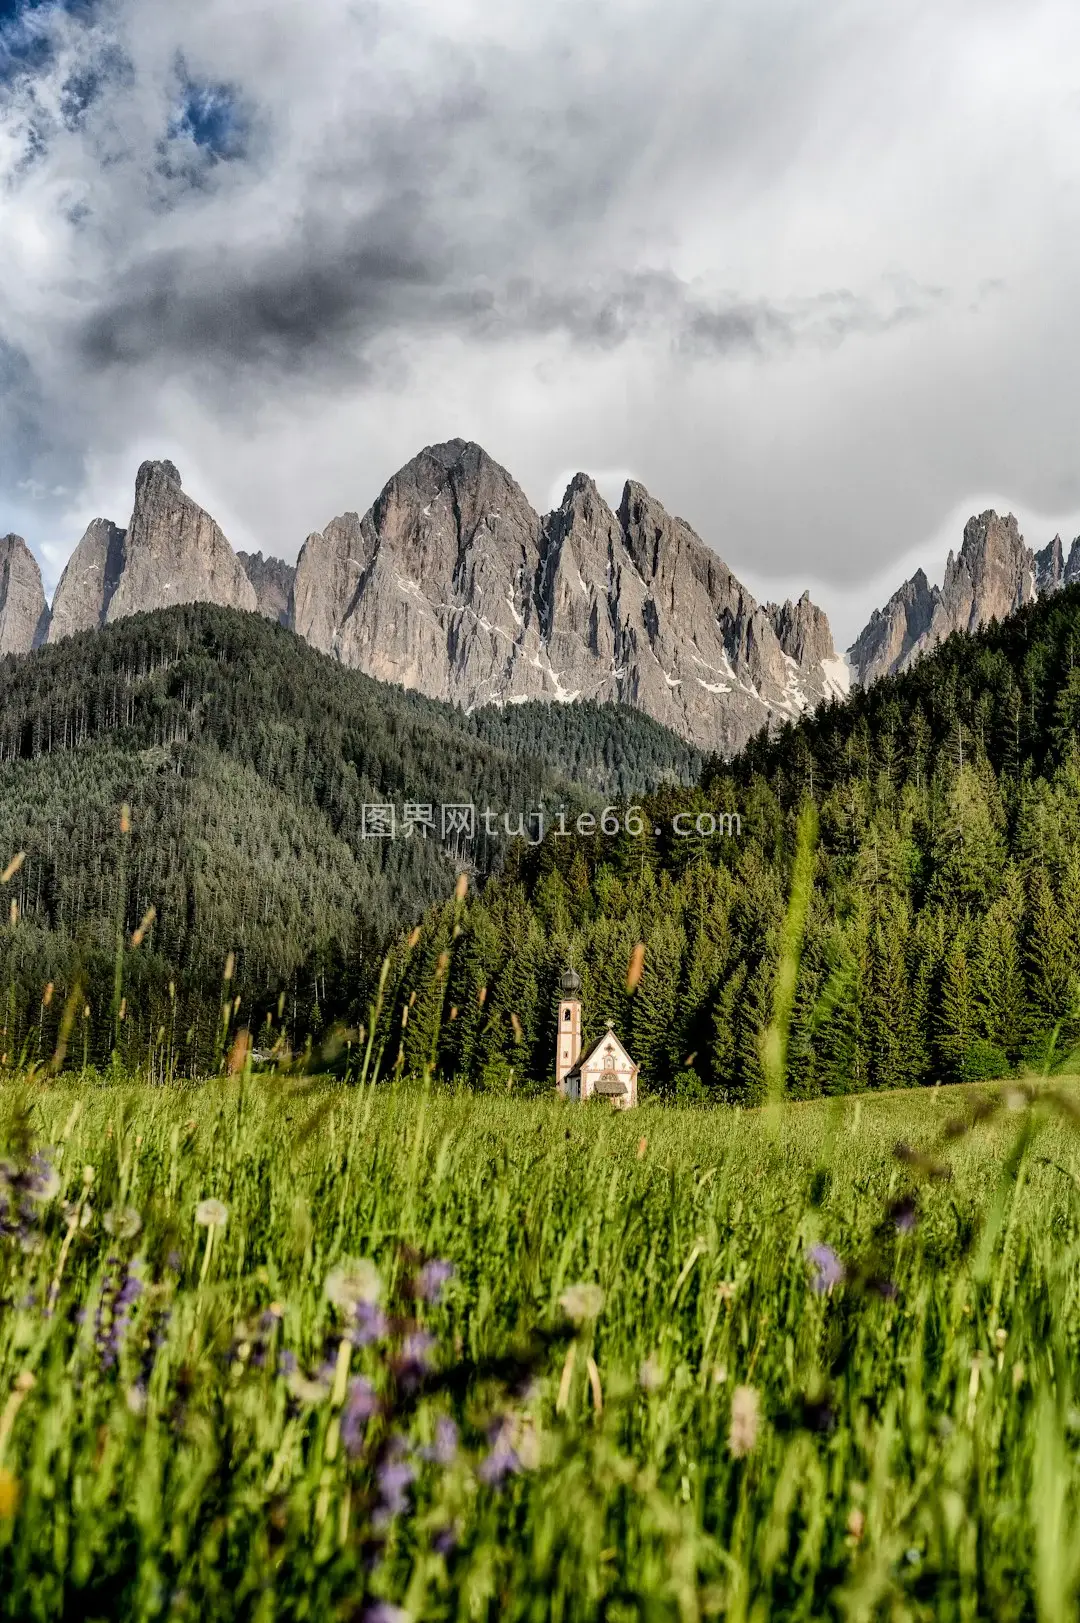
(123, 1222)
(650, 1376)
(47, 1185)
(212, 1214)
(305, 1389)
(582, 1303)
(745, 1417)
(354, 1280)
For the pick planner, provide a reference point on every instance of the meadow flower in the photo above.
(414, 1360)
(212, 1214)
(502, 1460)
(306, 1390)
(394, 1478)
(382, 1611)
(828, 1269)
(369, 1325)
(361, 1403)
(352, 1281)
(745, 1419)
(445, 1541)
(582, 1303)
(42, 1180)
(174, 1260)
(904, 1214)
(650, 1376)
(431, 1279)
(114, 1313)
(123, 1222)
(443, 1451)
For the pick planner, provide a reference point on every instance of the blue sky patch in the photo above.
(213, 118)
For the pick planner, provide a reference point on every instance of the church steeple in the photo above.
(568, 1037)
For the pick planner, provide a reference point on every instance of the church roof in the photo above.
(586, 1055)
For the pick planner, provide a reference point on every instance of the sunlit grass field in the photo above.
(272, 1349)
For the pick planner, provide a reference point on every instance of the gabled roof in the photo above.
(586, 1055)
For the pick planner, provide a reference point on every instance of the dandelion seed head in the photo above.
(650, 1376)
(582, 1303)
(353, 1282)
(211, 1213)
(122, 1222)
(745, 1420)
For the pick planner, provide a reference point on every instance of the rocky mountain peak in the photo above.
(151, 473)
(272, 579)
(171, 552)
(24, 614)
(174, 552)
(1050, 567)
(452, 583)
(802, 630)
(992, 575)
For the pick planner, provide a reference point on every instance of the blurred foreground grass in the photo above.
(813, 1378)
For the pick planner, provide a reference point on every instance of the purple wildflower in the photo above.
(431, 1279)
(114, 1313)
(445, 1541)
(503, 1459)
(828, 1269)
(369, 1324)
(174, 1260)
(361, 1403)
(395, 1476)
(414, 1361)
(383, 1611)
(287, 1362)
(443, 1451)
(904, 1214)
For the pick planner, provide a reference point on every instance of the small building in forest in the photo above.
(605, 1070)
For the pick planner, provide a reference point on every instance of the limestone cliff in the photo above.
(24, 615)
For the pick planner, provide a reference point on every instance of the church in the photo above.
(605, 1070)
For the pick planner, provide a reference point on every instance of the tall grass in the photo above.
(814, 1377)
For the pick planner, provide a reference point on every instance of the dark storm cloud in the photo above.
(328, 301)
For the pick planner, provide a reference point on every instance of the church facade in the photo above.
(605, 1070)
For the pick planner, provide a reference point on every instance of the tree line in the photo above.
(943, 934)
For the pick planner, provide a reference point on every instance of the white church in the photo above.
(605, 1070)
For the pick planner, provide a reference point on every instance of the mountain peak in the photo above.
(151, 471)
(24, 615)
(171, 552)
(992, 575)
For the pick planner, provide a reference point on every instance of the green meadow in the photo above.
(280, 1349)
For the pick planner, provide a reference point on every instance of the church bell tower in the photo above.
(568, 1040)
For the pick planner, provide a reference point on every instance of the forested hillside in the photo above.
(247, 760)
(944, 929)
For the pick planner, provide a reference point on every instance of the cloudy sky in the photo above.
(807, 268)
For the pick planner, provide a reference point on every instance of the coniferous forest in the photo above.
(245, 760)
(943, 935)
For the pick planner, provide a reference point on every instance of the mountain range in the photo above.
(452, 584)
